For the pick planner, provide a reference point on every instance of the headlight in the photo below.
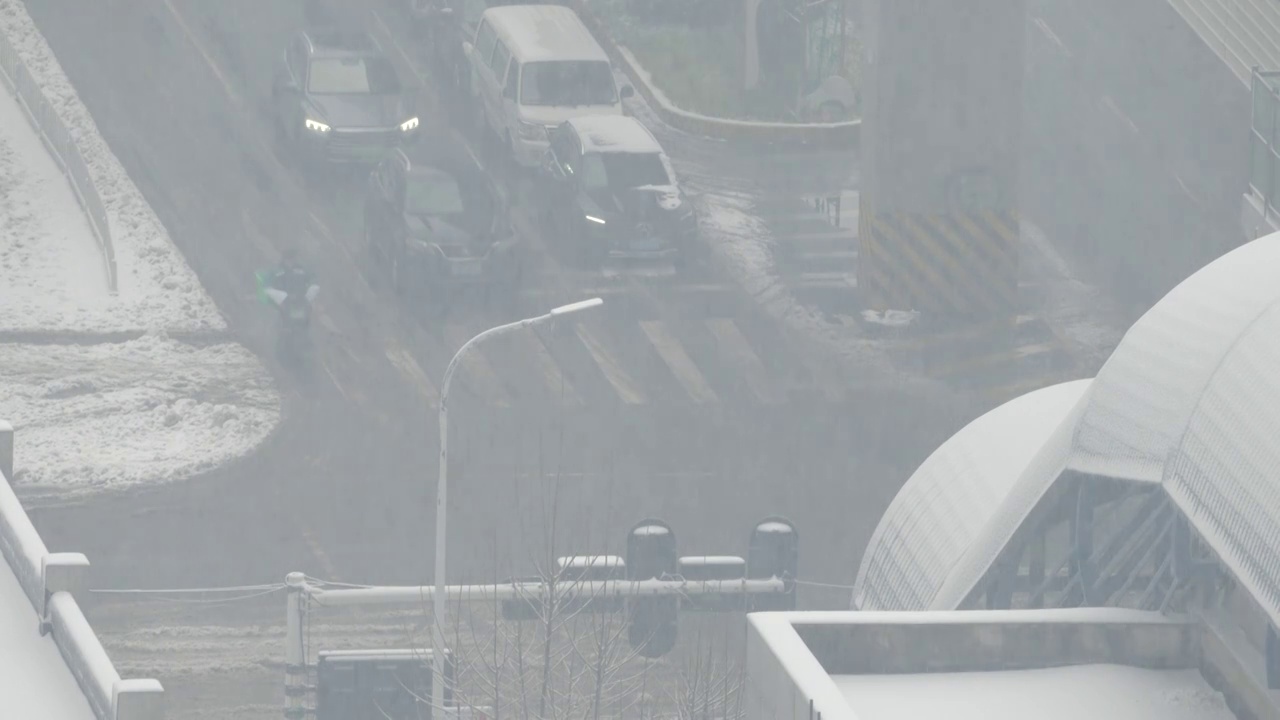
(409, 124)
(594, 219)
(532, 131)
(316, 125)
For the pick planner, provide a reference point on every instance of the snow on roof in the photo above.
(773, 526)
(1189, 399)
(952, 496)
(35, 682)
(614, 133)
(712, 560)
(535, 33)
(651, 530)
(1074, 692)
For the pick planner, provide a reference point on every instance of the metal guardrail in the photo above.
(58, 141)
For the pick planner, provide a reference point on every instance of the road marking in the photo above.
(326, 565)
(1186, 189)
(341, 390)
(613, 372)
(405, 363)
(182, 25)
(1053, 36)
(678, 361)
(483, 380)
(556, 382)
(391, 38)
(737, 351)
(1110, 104)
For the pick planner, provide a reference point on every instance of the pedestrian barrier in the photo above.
(961, 265)
(50, 581)
(58, 141)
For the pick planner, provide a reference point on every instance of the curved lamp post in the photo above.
(439, 603)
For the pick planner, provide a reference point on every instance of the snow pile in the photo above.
(741, 247)
(157, 289)
(118, 415)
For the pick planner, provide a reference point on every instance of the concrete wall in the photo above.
(981, 640)
(51, 581)
(791, 656)
(942, 95)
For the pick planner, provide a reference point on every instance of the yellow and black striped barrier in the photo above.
(958, 265)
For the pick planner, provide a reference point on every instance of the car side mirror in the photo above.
(467, 48)
(286, 85)
(627, 92)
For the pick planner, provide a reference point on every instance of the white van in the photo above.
(532, 68)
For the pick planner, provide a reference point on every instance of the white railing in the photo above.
(50, 581)
(58, 141)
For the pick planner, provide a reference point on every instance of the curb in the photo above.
(843, 135)
(196, 338)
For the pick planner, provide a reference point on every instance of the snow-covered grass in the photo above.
(118, 415)
(157, 289)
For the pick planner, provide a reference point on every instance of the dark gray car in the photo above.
(337, 98)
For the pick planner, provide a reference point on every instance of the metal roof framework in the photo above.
(1167, 454)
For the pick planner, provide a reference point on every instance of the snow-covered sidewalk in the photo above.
(108, 397)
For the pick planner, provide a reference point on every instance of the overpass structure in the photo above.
(51, 662)
(1245, 35)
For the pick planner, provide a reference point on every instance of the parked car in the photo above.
(612, 195)
(336, 98)
(434, 222)
(532, 68)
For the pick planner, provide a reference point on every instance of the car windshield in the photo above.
(433, 193)
(352, 76)
(565, 83)
(622, 170)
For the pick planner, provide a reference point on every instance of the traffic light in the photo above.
(654, 620)
(773, 551)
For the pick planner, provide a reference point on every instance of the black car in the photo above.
(611, 193)
(337, 98)
(434, 221)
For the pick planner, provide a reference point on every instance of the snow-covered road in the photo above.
(99, 393)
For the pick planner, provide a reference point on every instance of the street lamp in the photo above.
(439, 603)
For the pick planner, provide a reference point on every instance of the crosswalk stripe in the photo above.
(405, 363)
(556, 381)
(613, 372)
(737, 351)
(482, 379)
(681, 365)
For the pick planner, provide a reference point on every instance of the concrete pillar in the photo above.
(942, 115)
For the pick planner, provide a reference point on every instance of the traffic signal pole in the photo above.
(303, 595)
